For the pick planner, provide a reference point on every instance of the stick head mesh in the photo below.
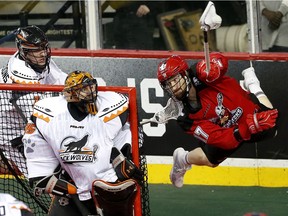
(172, 110)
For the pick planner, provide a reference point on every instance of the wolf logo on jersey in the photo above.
(76, 145)
(76, 150)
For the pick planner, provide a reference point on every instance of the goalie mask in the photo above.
(33, 47)
(81, 88)
(173, 77)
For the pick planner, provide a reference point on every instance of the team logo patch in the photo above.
(226, 118)
(75, 150)
(163, 66)
(29, 145)
(30, 128)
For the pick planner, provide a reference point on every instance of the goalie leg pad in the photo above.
(115, 199)
(64, 206)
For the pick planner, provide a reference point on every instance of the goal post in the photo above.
(13, 169)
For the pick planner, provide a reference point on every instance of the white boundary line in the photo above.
(232, 162)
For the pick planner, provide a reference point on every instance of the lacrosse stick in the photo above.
(172, 110)
(209, 20)
(8, 37)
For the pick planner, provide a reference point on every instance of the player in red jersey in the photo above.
(217, 111)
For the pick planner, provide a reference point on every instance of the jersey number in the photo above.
(2, 210)
(200, 134)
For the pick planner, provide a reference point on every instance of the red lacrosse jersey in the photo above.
(225, 106)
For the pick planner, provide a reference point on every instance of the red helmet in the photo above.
(170, 67)
(174, 67)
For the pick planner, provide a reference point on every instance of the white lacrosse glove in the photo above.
(209, 19)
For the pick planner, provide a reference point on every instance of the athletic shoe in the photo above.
(179, 167)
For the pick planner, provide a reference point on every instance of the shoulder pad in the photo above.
(47, 108)
(20, 73)
(55, 75)
(111, 105)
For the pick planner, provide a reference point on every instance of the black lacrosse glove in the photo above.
(124, 168)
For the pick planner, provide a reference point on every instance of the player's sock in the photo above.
(187, 159)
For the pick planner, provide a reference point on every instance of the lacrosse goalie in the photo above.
(78, 148)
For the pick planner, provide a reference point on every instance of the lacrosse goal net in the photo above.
(16, 106)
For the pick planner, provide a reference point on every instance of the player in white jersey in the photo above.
(86, 133)
(10, 206)
(31, 64)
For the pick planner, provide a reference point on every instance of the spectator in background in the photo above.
(133, 24)
(274, 25)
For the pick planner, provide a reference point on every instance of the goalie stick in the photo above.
(209, 20)
(172, 110)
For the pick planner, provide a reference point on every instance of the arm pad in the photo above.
(54, 185)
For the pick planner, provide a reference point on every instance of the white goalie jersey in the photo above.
(83, 147)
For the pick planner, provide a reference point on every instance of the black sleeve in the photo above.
(33, 119)
(185, 122)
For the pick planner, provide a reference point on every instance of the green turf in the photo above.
(166, 200)
(216, 201)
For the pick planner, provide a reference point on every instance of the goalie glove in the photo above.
(124, 167)
(218, 67)
(54, 185)
(261, 121)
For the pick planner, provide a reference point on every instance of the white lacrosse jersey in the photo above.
(83, 148)
(10, 206)
(18, 71)
(11, 122)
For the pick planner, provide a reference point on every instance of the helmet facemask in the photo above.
(177, 86)
(83, 94)
(174, 78)
(37, 58)
(33, 47)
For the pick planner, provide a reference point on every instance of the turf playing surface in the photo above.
(166, 200)
(196, 200)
